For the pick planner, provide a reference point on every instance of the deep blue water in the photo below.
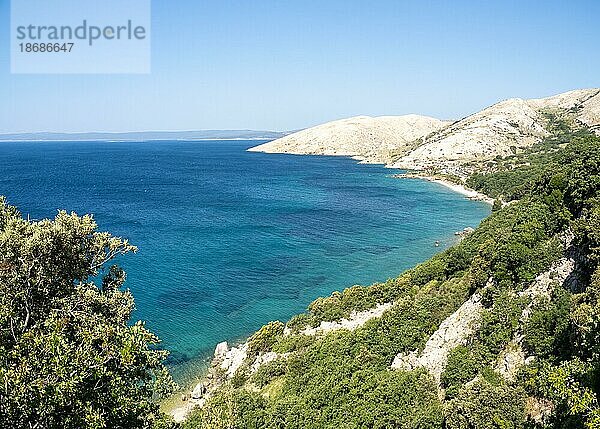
(229, 240)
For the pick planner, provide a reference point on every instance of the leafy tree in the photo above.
(546, 330)
(68, 356)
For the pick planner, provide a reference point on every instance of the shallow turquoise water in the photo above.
(229, 240)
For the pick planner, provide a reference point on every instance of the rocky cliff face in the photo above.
(419, 142)
(501, 129)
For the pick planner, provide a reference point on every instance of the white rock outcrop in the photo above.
(452, 332)
(544, 284)
(199, 391)
(513, 356)
(262, 359)
(510, 360)
(221, 349)
(356, 320)
(233, 359)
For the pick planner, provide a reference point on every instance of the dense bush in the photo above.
(268, 372)
(485, 405)
(368, 398)
(291, 343)
(499, 322)
(68, 356)
(264, 339)
(461, 368)
(546, 330)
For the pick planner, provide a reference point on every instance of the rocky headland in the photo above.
(426, 144)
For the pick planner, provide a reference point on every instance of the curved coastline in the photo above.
(228, 358)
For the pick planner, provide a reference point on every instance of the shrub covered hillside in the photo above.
(530, 359)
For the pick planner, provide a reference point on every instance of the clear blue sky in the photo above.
(282, 65)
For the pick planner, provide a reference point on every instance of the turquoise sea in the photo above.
(229, 240)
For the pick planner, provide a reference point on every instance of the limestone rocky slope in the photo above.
(373, 140)
(502, 129)
(418, 142)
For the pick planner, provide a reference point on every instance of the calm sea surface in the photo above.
(229, 240)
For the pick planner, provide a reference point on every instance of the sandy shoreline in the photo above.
(468, 192)
(471, 194)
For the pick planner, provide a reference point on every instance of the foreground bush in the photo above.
(68, 356)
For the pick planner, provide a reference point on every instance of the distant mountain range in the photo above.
(419, 142)
(147, 135)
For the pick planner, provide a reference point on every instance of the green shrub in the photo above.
(486, 406)
(300, 321)
(328, 309)
(292, 343)
(264, 339)
(231, 409)
(499, 322)
(547, 329)
(267, 372)
(462, 367)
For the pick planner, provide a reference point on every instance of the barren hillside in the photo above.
(369, 139)
(419, 142)
(502, 129)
